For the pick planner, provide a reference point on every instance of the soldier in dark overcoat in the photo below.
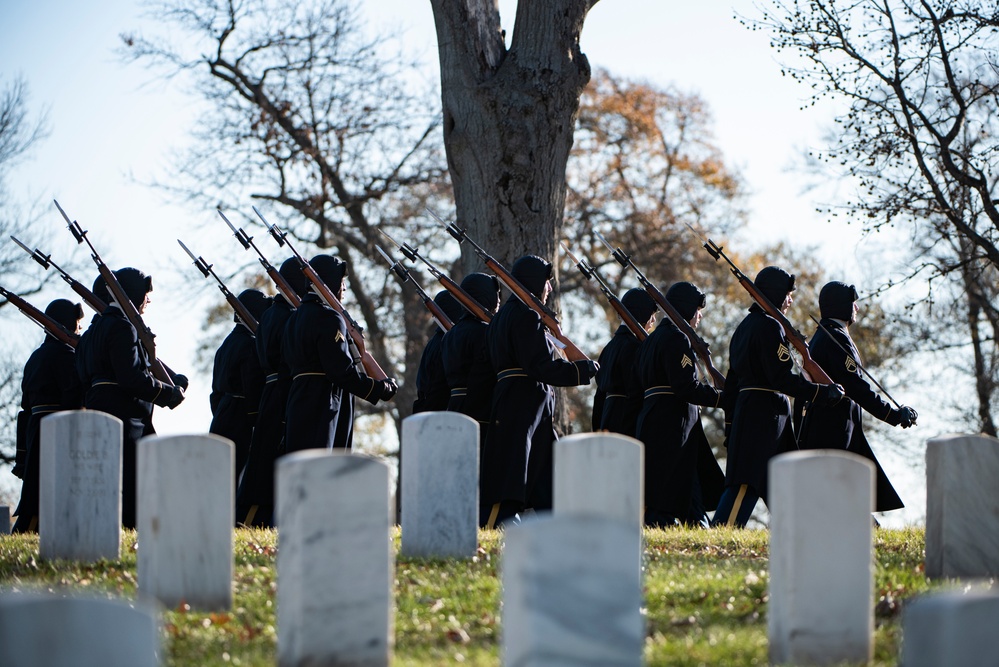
(324, 371)
(670, 421)
(757, 388)
(618, 398)
(49, 385)
(465, 356)
(255, 495)
(517, 458)
(839, 426)
(432, 393)
(238, 381)
(114, 369)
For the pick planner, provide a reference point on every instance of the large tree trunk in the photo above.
(509, 118)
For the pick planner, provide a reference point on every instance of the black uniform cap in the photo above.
(483, 288)
(775, 283)
(135, 283)
(639, 304)
(332, 270)
(533, 272)
(291, 271)
(450, 305)
(836, 300)
(65, 312)
(686, 298)
(255, 301)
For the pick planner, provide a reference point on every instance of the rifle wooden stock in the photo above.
(696, 342)
(467, 301)
(572, 353)
(46, 262)
(626, 317)
(51, 327)
(437, 312)
(371, 366)
(548, 318)
(248, 320)
(157, 368)
(793, 336)
(281, 284)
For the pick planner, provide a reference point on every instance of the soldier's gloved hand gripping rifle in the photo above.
(245, 317)
(402, 274)
(809, 365)
(696, 342)
(51, 327)
(548, 318)
(247, 242)
(590, 273)
(371, 366)
(88, 297)
(146, 336)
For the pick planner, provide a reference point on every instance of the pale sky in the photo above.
(112, 124)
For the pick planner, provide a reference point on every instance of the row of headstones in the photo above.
(571, 582)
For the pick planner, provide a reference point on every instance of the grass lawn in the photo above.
(705, 598)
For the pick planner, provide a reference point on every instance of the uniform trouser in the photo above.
(736, 506)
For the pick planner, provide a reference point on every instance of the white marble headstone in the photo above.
(821, 558)
(335, 565)
(42, 629)
(440, 485)
(79, 498)
(599, 474)
(957, 629)
(962, 506)
(572, 592)
(184, 518)
(4, 520)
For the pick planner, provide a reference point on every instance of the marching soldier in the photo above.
(114, 368)
(516, 462)
(325, 374)
(670, 420)
(238, 381)
(839, 426)
(432, 392)
(50, 384)
(618, 398)
(757, 387)
(255, 496)
(469, 374)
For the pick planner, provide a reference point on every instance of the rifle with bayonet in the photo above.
(121, 298)
(696, 342)
(371, 366)
(810, 366)
(88, 297)
(245, 317)
(463, 297)
(548, 318)
(860, 366)
(247, 242)
(50, 326)
(590, 273)
(402, 275)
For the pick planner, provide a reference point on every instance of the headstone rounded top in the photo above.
(199, 439)
(87, 416)
(601, 437)
(810, 457)
(439, 417)
(965, 439)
